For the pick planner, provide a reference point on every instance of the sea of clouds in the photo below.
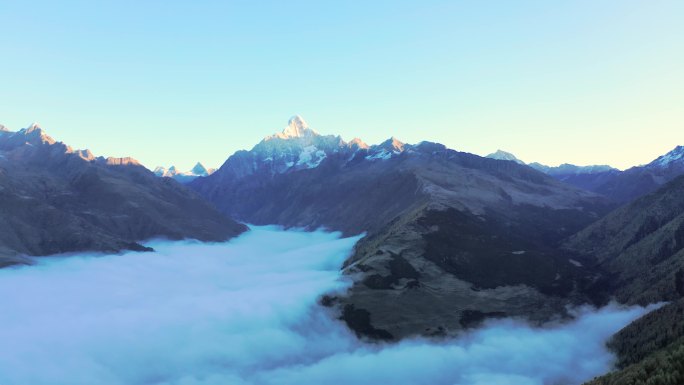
(245, 312)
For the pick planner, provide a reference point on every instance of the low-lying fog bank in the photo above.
(245, 312)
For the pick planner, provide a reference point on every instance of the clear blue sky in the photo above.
(176, 82)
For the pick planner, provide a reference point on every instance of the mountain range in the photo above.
(443, 227)
(183, 176)
(618, 186)
(55, 199)
(450, 238)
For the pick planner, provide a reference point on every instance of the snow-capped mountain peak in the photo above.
(392, 144)
(297, 122)
(386, 149)
(358, 144)
(33, 134)
(4, 128)
(183, 176)
(504, 155)
(665, 160)
(32, 127)
(297, 127)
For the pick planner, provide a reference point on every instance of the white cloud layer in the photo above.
(245, 313)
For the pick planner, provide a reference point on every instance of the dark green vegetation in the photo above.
(55, 200)
(640, 246)
(478, 250)
(658, 330)
(665, 367)
(358, 320)
(399, 268)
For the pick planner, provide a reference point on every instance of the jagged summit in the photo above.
(504, 155)
(34, 130)
(665, 160)
(392, 144)
(33, 127)
(32, 135)
(85, 155)
(184, 176)
(125, 161)
(298, 122)
(4, 128)
(357, 144)
(386, 149)
(297, 127)
(35, 141)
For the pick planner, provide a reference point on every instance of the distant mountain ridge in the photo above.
(672, 158)
(618, 186)
(562, 170)
(504, 155)
(183, 176)
(30, 140)
(571, 169)
(55, 199)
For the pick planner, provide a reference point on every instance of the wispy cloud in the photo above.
(245, 313)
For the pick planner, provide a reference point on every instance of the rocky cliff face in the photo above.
(451, 238)
(55, 199)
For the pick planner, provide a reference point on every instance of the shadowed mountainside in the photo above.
(55, 199)
(641, 248)
(641, 245)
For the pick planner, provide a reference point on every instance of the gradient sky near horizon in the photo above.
(170, 82)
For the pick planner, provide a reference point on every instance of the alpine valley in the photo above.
(452, 238)
(449, 239)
